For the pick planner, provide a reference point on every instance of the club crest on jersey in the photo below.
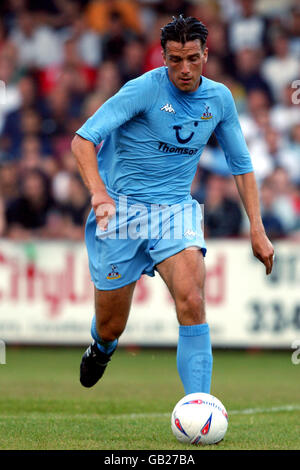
(168, 108)
(206, 115)
(114, 273)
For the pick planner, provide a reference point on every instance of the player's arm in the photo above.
(261, 245)
(133, 98)
(232, 141)
(85, 154)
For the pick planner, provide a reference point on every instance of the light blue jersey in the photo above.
(153, 136)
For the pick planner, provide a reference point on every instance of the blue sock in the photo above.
(105, 346)
(194, 358)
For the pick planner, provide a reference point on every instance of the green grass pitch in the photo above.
(43, 406)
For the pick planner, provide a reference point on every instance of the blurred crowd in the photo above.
(61, 59)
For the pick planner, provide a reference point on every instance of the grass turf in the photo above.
(43, 406)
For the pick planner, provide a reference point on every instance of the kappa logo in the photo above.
(114, 273)
(168, 108)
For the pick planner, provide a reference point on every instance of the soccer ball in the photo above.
(199, 418)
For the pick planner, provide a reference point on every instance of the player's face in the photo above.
(185, 63)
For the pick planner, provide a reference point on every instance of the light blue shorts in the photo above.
(140, 236)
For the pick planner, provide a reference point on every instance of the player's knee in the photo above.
(110, 331)
(191, 308)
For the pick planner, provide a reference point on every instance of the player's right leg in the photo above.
(111, 313)
(116, 263)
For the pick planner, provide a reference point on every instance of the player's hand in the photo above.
(104, 207)
(263, 249)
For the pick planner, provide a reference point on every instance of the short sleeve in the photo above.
(231, 138)
(135, 97)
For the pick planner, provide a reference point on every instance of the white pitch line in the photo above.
(245, 411)
(273, 409)
(56, 416)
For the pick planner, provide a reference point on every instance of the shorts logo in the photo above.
(190, 234)
(206, 115)
(114, 273)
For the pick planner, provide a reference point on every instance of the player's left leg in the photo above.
(184, 274)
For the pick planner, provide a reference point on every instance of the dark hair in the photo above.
(182, 30)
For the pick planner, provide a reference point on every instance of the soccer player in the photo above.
(153, 132)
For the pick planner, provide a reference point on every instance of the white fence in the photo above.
(46, 297)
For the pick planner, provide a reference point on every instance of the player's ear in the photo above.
(163, 56)
(205, 54)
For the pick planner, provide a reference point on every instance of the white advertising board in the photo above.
(46, 297)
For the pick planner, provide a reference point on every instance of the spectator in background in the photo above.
(171, 8)
(115, 39)
(8, 181)
(267, 153)
(255, 118)
(108, 80)
(286, 198)
(94, 46)
(9, 74)
(28, 122)
(272, 223)
(98, 15)
(8, 189)
(132, 63)
(92, 102)
(31, 153)
(238, 92)
(52, 13)
(282, 67)
(75, 208)
(73, 73)
(214, 68)
(291, 160)
(10, 10)
(3, 36)
(12, 123)
(60, 120)
(248, 30)
(153, 57)
(26, 215)
(32, 157)
(88, 43)
(285, 114)
(294, 30)
(2, 217)
(218, 46)
(247, 70)
(61, 179)
(222, 214)
(38, 45)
